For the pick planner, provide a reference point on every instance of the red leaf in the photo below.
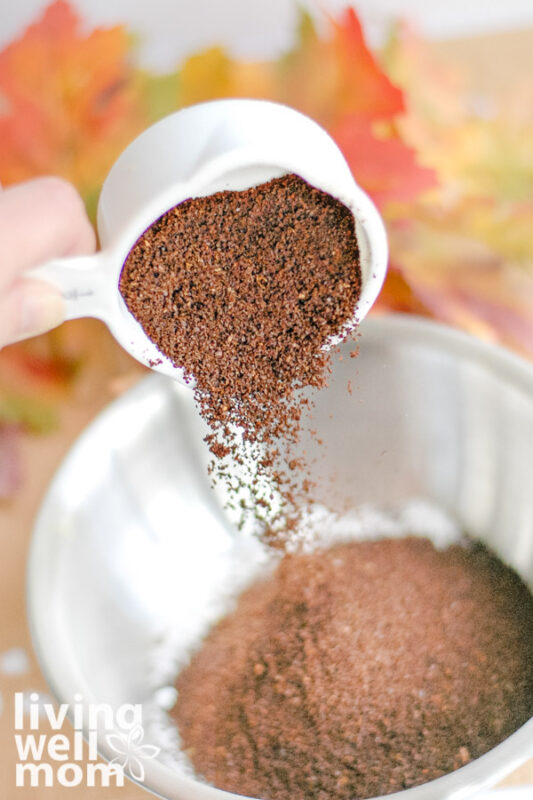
(336, 74)
(372, 94)
(43, 368)
(386, 168)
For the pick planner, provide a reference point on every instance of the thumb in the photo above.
(28, 308)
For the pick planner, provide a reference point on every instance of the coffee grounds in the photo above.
(243, 290)
(361, 670)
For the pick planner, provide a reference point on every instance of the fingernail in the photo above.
(41, 308)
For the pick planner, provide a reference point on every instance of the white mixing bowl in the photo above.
(131, 542)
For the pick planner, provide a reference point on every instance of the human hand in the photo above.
(39, 220)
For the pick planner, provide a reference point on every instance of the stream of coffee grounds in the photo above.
(243, 290)
(360, 670)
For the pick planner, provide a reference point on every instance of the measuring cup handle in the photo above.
(84, 283)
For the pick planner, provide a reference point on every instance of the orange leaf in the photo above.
(367, 90)
(484, 304)
(397, 295)
(68, 100)
(386, 168)
(463, 282)
(34, 366)
(331, 76)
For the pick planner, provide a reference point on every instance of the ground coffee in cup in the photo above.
(243, 290)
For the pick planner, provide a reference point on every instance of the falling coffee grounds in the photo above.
(360, 670)
(243, 290)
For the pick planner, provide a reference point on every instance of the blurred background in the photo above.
(172, 30)
(432, 105)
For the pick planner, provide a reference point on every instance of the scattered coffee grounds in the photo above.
(242, 290)
(361, 670)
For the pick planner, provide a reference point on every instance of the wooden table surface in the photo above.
(42, 455)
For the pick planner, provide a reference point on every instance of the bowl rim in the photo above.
(165, 782)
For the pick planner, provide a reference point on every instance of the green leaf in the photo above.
(29, 412)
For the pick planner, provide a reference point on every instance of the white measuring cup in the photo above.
(206, 148)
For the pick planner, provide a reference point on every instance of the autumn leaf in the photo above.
(485, 302)
(385, 167)
(28, 413)
(467, 252)
(337, 79)
(158, 94)
(366, 89)
(40, 363)
(69, 100)
(205, 76)
(398, 296)
(330, 77)
(212, 74)
(432, 89)
(461, 280)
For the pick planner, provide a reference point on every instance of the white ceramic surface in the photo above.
(210, 147)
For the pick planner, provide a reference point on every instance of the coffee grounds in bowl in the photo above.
(242, 290)
(360, 670)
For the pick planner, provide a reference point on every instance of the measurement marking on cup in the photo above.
(75, 294)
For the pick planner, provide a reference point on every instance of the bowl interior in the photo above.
(132, 547)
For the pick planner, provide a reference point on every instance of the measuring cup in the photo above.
(207, 148)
